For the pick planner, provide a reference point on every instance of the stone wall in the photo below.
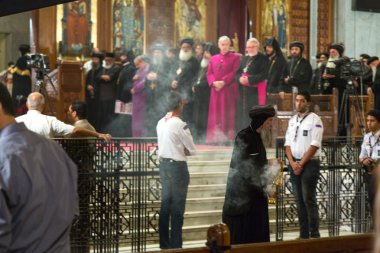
(16, 30)
(357, 29)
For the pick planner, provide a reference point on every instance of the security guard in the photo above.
(174, 144)
(370, 152)
(302, 145)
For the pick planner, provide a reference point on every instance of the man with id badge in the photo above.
(303, 142)
(370, 152)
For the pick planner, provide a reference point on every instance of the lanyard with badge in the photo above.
(372, 146)
(298, 125)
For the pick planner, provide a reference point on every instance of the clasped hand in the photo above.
(297, 168)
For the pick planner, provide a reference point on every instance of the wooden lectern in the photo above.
(71, 84)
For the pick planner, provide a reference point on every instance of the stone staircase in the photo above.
(208, 177)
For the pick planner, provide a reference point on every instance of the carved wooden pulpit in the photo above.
(71, 82)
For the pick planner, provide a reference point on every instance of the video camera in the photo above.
(40, 63)
(350, 68)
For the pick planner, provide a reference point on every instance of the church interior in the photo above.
(121, 191)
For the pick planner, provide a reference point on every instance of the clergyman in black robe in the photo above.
(22, 82)
(92, 88)
(251, 76)
(157, 89)
(186, 74)
(277, 64)
(107, 92)
(245, 209)
(201, 95)
(121, 125)
(298, 71)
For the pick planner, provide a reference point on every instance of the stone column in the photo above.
(313, 32)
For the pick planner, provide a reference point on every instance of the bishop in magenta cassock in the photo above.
(224, 94)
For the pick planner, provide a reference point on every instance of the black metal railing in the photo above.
(341, 190)
(119, 192)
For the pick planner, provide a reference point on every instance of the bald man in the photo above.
(50, 126)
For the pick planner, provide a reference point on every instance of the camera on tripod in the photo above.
(40, 63)
(350, 68)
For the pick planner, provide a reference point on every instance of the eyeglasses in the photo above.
(252, 47)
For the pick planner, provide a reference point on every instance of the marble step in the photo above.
(206, 191)
(208, 166)
(208, 178)
(209, 217)
(221, 154)
(211, 155)
(202, 204)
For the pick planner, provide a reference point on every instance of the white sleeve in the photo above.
(60, 128)
(288, 135)
(187, 139)
(317, 133)
(363, 150)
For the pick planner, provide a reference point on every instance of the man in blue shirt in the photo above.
(38, 182)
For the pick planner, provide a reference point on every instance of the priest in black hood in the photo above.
(92, 92)
(107, 92)
(251, 76)
(245, 209)
(201, 94)
(298, 71)
(186, 74)
(121, 126)
(277, 64)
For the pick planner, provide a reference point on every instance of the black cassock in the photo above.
(106, 98)
(376, 88)
(256, 68)
(300, 74)
(276, 70)
(93, 78)
(201, 104)
(186, 74)
(156, 96)
(121, 125)
(245, 209)
(22, 82)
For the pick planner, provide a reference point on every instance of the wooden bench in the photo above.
(362, 243)
(326, 106)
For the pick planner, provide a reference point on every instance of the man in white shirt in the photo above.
(370, 152)
(174, 144)
(303, 142)
(50, 126)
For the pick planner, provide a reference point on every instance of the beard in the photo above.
(295, 57)
(156, 61)
(205, 62)
(266, 136)
(108, 66)
(251, 54)
(185, 56)
(331, 62)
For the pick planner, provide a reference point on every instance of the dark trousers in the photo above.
(304, 187)
(175, 181)
(370, 180)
